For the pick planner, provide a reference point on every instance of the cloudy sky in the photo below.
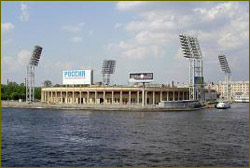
(141, 36)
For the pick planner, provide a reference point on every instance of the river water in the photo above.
(52, 138)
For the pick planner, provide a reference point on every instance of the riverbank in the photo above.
(94, 107)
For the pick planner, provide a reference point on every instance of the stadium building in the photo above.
(112, 95)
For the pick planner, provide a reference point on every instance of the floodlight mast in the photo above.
(108, 68)
(225, 68)
(191, 50)
(30, 80)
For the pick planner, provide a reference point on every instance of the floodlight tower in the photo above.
(30, 80)
(191, 50)
(108, 68)
(225, 68)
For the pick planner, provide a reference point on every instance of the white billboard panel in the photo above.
(140, 77)
(77, 77)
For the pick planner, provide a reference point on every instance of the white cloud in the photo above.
(229, 41)
(227, 9)
(23, 56)
(154, 28)
(154, 21)
(91, 32)
(5, 42)
(58, 67)
(224, 24)
(73, 28)
(117, 25)
(76, 39)
(16, 63)
(128, 5)
(25, 15)
(7, 27)
(67, 65)
(8, 62)
(179, 55)
(147, 37)
(235, 34)
(135, 53)
(132, 50)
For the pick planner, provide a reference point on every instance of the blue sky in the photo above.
(141, 36)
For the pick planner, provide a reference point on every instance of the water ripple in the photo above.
(54, 138)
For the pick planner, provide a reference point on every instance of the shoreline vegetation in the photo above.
(15, 91)
(94, 107)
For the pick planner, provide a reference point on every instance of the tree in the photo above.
(38, 93)
(47, 83)
(14, 91)
(4, 96)
(14, 96)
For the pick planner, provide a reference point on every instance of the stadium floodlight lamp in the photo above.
(224, 64)
(108, 67)
(194, 47)
(185, 45)
(34, 60)
(197, 49)
(30, 80)
(191, 50)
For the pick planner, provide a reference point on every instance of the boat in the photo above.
(223, 105)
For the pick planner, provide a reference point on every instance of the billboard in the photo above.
(140, 77)
(77, 77)
(198, 80)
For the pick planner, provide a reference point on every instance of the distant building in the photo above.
(237, 88)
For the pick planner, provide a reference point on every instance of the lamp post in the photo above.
(225, 68)
(191, 50)
(30, 80)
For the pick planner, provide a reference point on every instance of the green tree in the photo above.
(4, 96)
(21, 88)
(38, 93)
(14, 96)
(14, 91)
(47, 83)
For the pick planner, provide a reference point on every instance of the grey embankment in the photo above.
(94, 107)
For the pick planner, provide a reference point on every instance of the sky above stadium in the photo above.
(140, 36)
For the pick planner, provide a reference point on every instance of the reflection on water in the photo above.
(209, 137)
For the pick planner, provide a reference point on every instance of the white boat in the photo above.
(223, 105)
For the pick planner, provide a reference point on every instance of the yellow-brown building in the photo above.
(237, 88)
